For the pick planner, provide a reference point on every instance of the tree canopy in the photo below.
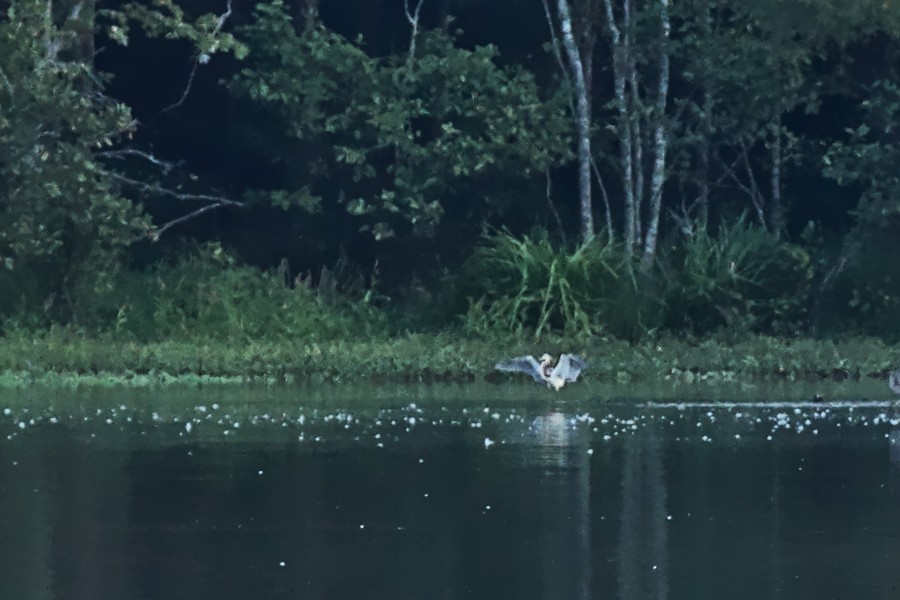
(403, 142)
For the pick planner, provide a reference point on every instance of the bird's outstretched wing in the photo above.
(569, 367)
(894, 381)
(521, 364)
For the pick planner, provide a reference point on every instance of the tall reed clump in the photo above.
(741, 278)
(529, 284)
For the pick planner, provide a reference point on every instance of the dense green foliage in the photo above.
(208, 296)
(63, 220)
(353, 176)
(394, 139)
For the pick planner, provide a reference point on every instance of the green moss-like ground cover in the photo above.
(64, 360)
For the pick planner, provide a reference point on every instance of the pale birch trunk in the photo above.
(624, 128)
(588, 42)
(583, 120)
(635, 114)
(660, 141)
(707, 125)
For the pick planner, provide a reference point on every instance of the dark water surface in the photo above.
(420, 495)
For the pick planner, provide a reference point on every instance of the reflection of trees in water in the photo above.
(557, 445)
(643, 535)
(58, 522)
(895, 446)
(894, 439)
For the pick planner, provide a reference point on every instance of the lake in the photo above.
(445, 492)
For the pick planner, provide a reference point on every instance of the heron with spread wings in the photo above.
(567, 368)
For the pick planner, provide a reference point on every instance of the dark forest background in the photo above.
(326, 168)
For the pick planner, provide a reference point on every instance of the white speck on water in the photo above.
(215, 406)
(362, 526)
(590, 450)
(421, 460)
(668, 517)
(21, 424)
(188, 426)
(487, 507)
(607, 437)
(7, 412)
(260, 472)
(281, 564)
(769, 438)
(737, 436)
(488, 442)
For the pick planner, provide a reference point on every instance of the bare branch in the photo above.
(215, 202)
(554, 44)
(413, 18)
(152, 188)
(156, 233)
(124, 153)
(559, 223)
(755, 195)
(609, 223)
(201, 59)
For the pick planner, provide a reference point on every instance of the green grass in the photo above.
(64, 359)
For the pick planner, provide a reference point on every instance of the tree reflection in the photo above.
(558, 444)
(643, 536)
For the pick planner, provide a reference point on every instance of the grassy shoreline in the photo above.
(70, 360)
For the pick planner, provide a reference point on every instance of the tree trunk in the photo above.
(624, 128)
(635, 116)
(583, 121)
(707, 129)
(311, 14)
(659, 140)
(778, 212)
(705, 143)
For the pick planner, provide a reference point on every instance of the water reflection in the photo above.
(561, 450)
(895, 446)
(643, 539)
(667, 502)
